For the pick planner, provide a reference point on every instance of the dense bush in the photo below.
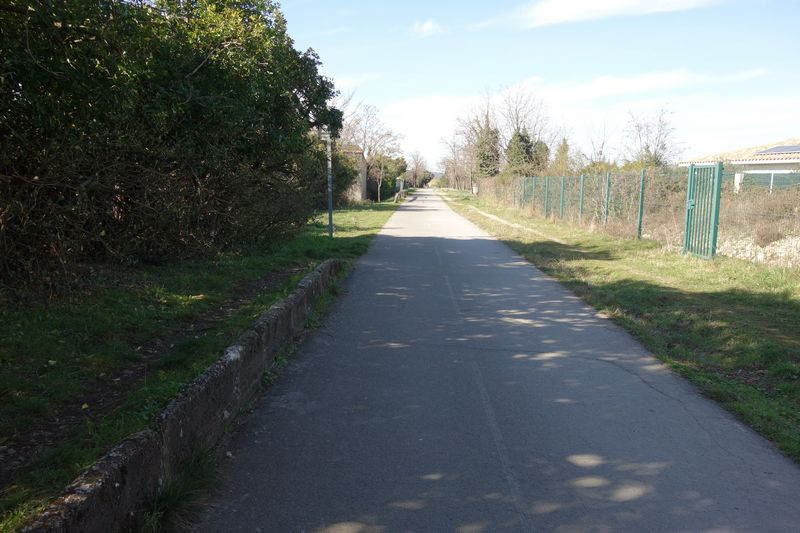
(148, 130)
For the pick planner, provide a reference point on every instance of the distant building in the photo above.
(768, 165)
(778, 159)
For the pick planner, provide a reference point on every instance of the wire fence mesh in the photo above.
(754, 222)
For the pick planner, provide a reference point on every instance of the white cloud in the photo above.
(714, 122)
(705, 116)
(426, 121)
(548, 12)
(426, 28)
(608, 86)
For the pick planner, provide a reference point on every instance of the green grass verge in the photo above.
(731, 327)
(53, 357)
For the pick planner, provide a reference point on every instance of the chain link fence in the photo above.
(754, 223)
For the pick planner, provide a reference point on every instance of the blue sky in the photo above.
(727, 70)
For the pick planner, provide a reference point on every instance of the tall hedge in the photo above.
(144, 131)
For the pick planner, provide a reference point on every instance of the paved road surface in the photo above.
(456, 388)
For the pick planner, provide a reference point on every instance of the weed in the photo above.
(180, 499)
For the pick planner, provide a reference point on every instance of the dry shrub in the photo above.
(766, 234)
(742, 215)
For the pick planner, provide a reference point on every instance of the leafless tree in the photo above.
(458, 163)
(522, 110)
(418, 168)
(365, 134)
(598, 141)
(650, 139)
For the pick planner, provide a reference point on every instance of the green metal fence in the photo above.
(770, 181)
(590, 199)
(749, 223)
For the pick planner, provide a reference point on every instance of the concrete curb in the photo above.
(110, 494)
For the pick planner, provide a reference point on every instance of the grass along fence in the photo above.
(753, 224)
(732, 327)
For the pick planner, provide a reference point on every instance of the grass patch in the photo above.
(179, 500)
(732, 327)
(67, 367)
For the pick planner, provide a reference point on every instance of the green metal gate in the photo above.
(702, 210)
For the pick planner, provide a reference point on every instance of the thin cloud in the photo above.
(539, 13)
(650, 82)
(426, 28)
(347, 83)
(548, 12)
(335, 31)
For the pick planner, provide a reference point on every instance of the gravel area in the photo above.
(785, 252)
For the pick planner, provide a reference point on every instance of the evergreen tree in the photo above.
(519, 152)
(561, 163)
(487, 149)
(540, 157)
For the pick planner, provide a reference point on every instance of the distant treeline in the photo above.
(150, 130)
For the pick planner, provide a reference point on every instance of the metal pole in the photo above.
(580, 200)
(330, 187)
(641, 208)
(771, 181)
(563, 185)
(715, 209)
(607, 197)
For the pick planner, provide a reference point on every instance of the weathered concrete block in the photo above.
(299, 308)
(283, 321)
(108, 495)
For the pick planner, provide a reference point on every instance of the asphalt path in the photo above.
(454, 387)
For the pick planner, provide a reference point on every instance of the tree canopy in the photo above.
(153, 129)
(519, 152)
(487, 149)
(562, 165)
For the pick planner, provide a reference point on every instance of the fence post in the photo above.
(715, 208)
(533, 192)
(580, 200)
(607, 197)
(527, 190)
(561, 207)
(641, 208)
(546, 196)
(689, 205)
